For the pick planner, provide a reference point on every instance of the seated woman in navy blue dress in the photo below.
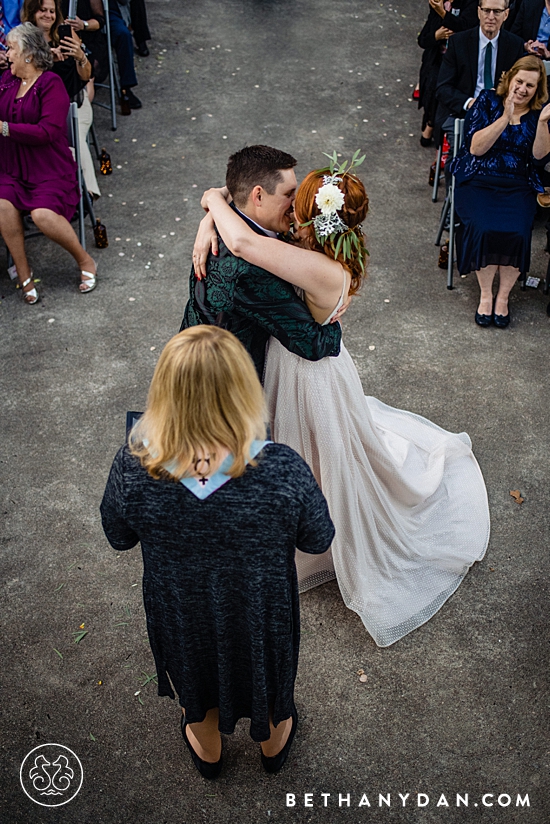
(506, 133)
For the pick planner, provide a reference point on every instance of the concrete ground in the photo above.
(460, 705)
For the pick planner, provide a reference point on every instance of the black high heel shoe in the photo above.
(483, 320)
(208, 769)
(273, 764)
(501, 321)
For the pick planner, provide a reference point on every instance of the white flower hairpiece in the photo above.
(329, 199)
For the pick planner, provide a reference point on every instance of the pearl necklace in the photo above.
(24, 82)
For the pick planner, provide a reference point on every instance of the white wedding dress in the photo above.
(407, 498)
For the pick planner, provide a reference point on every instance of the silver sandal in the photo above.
(31, 296)
(89, 283)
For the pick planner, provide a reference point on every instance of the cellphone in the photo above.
(64, 30)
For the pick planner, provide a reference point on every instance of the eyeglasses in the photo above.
(496, 12)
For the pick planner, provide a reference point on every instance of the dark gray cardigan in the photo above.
(219, 580)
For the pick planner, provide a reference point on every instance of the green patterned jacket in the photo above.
(254, 304)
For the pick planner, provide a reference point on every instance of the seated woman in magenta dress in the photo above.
(506, 133)
(37, 170)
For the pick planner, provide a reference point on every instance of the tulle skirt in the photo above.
(407, 498)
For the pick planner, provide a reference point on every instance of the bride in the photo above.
(407, 498)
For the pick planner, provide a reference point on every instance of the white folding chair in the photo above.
(85, 202)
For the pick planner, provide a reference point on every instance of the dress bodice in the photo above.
(511, 156)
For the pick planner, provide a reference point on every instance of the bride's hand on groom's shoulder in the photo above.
(214, 192)
(206, 241)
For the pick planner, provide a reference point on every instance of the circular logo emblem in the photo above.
(51, 775)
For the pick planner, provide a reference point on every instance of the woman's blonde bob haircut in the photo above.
(526, 64)
(205, 396)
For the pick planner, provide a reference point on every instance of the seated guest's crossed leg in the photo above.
(55, 227)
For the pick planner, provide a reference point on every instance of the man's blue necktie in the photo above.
(488, 70)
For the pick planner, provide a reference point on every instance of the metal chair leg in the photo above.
(111, 68)
(114, 85)
(437, 173)
(92, 138)
(444, 212)
(450, 263)
(523, 281)
(89, 203)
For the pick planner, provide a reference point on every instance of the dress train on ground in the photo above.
(407, 498)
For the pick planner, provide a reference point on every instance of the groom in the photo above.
(248, 301)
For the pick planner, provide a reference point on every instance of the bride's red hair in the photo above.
(353, 213)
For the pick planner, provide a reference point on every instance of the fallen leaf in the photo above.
(81, 626)
(56, 650)
(92, 737)
(516, 495)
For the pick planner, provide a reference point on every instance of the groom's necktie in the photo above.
(488, 70)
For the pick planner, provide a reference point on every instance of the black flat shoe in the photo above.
(208, 769)
(426, 141)
(273, 764)
(142, 50)
(483, 320)
(501, 321)
(133, 101)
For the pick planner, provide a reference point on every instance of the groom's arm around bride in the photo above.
(250, 302)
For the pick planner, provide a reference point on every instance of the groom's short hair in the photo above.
(255, 166)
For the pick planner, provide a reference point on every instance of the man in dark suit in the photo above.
(245, 299)
(475, 60)
(532, 24)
